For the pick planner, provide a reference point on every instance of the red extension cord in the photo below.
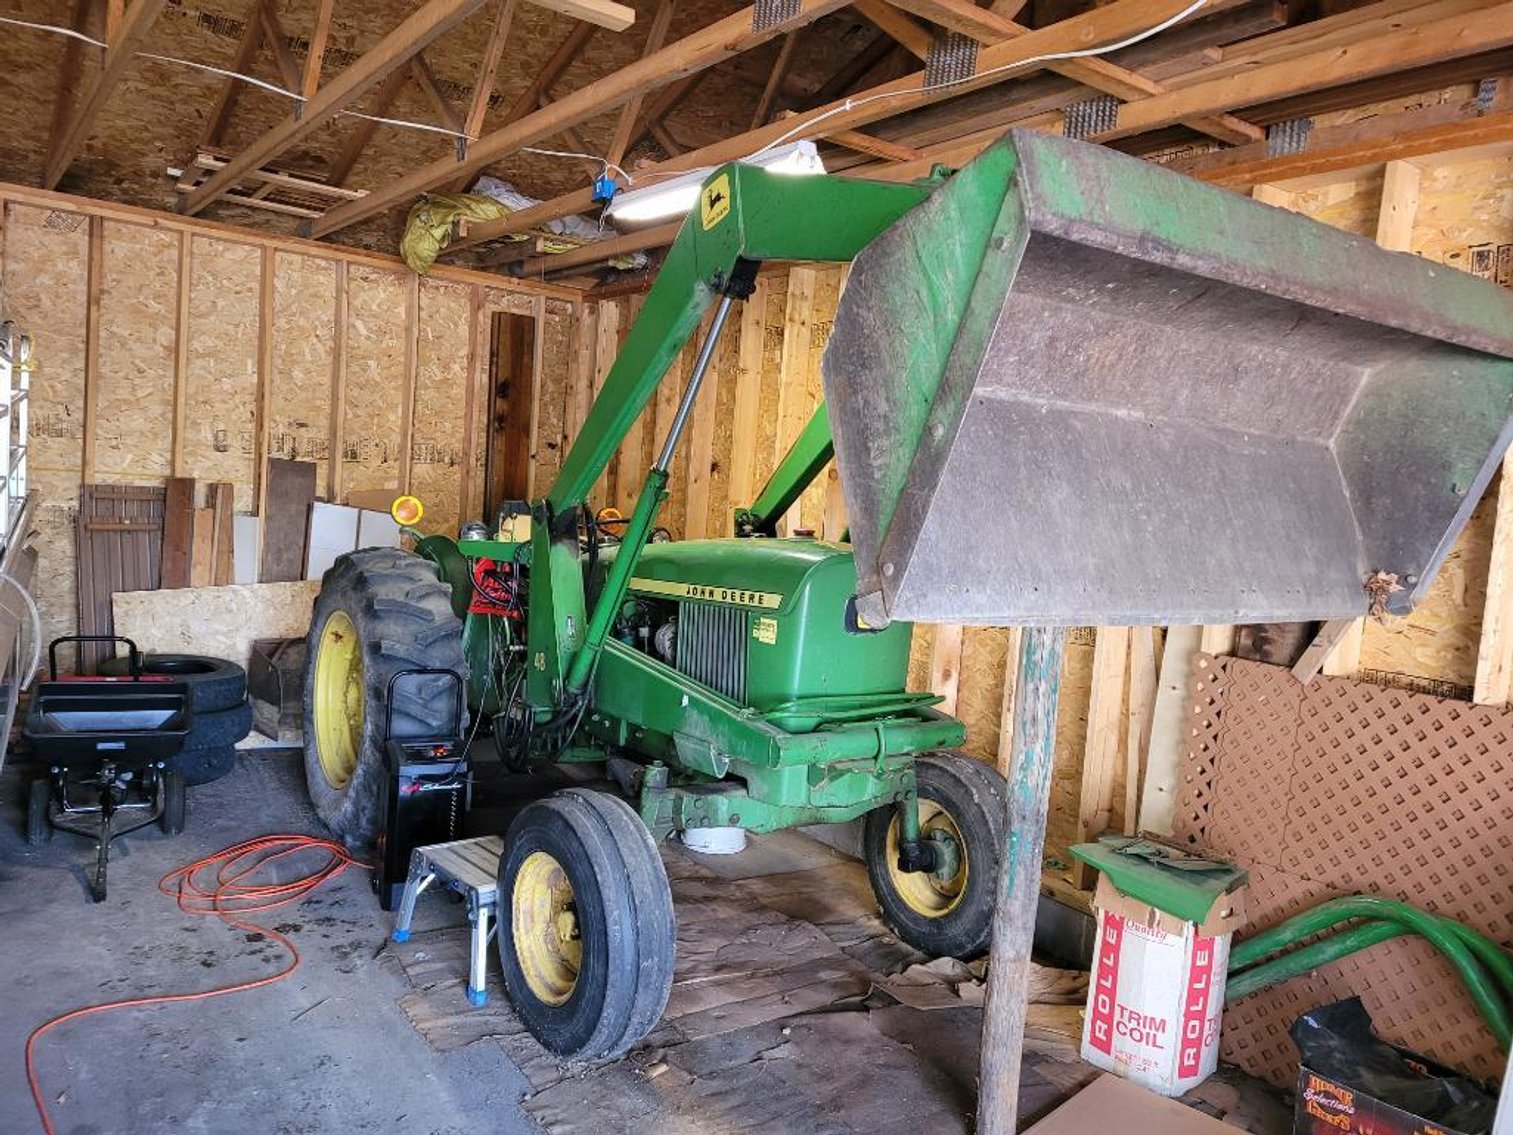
(227, 895)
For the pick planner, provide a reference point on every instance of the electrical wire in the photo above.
(1048, 57)
(224, 886)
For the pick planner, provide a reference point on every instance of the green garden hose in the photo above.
(1482, 965)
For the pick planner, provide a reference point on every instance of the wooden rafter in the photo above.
(317, 54)
(857, 68)
(432, 19)
(604, 13)
(909, 34)
(362, 133)
(996, 64)
(631, 111)
(602, 250)
(68, 73)
(568, 50)
(425, 79)
(231, 89)
(703, 49)
(488, 70)
(875, 147)
(768, 100)
(654, 113)
(135, 24)
(288, 66)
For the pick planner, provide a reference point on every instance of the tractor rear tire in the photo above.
(586, 929)
(949, 912)
(380, 611)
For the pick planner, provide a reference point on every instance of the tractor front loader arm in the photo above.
(745, 215)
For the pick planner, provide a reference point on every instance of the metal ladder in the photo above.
(471, 868)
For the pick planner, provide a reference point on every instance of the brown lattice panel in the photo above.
(1342, 787)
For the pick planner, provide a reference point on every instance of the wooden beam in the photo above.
(945, 664)
(656, 36)
(425, 79)
(602, 250)
(603, 13)
(719, 41)
(431, 20)
(67, 143)
(115, 18)
(1169, 731)
(231, 89)
(995, 65)
(317, 53)
(1330, 633)
(768, 99)
(794, 404)
(488, 72)
(278, 43)
(876, 147)
(1142, 705)
(849, 74)
(1399, 207)
(748, 395)
(1472, 33)
(362, 134)
(1105, 718)
(896, 24)
(1006, 710)
(963, 16)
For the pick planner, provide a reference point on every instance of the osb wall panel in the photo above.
(220, 376)
(304, 336)
(133, 423)
(372, 426)
(439, 435)
(556, 355)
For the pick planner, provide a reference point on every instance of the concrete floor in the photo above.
(325, 1051)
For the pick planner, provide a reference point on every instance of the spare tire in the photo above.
(213, 683)
(209, 751)
(201, 766)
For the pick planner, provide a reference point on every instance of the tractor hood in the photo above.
(757, 573)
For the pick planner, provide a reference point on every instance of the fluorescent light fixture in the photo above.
(678, 195)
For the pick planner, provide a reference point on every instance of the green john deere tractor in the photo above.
(1064, 387)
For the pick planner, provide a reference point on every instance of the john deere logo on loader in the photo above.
(714, 201)
(708, 593)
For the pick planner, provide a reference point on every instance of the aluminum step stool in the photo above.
(471, 868)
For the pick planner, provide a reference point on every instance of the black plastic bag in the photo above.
(1337, 1041)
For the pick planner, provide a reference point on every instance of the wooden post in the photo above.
(1036, 693)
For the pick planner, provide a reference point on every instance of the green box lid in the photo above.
(1168, 878)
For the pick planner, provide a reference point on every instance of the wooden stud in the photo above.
(181, 355)
(1217, 639)
(94, 287)
(875, 147)
(67, 143)
(335, 487)
(1105, 736)
(581, 387)
(432, 19)
(1344, 661)
(596, 252)
(625, 127)
(793, 403)
(538, 346)
(748, 396)
(1312, 661)
(412, 375)
(264, 382)
(70, 71)
(607, 345)
(701, 455)
(477, 397)
(704, 48)
(945, 664)
(1008, 700)
(1276, 196)
(837, 521)
(604, 13)
(317, 53)
(1399, 208)
(1142, 704)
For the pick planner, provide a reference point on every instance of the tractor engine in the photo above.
(767, 623)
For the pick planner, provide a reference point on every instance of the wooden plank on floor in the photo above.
(291, 491)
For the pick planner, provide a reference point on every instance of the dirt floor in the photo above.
(787, 1014)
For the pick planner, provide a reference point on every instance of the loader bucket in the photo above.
(1072, 387)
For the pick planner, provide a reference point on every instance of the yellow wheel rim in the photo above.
(545, 921)
(339, 699)
(932, 894)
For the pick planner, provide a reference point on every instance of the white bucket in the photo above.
(715, 841)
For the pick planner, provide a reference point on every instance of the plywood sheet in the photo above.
(220, 377)
(372, 423)
(222, 622)
(47, 294)
(134, 389)
(551, 440)
(304, 332)
(55, 584)
(439, 433)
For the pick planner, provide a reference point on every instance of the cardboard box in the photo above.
(1111, 1105)
(1329, 1107)
(1156, 993)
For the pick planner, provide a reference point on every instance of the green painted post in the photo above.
(1031, 759)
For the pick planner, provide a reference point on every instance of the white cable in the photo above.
(605, 162)
(406, 122)
(80, 36)
(1049, 57)
(272, 88)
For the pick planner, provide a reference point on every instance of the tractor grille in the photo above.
(712, 647)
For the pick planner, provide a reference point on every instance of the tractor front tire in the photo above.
(380, 611)
(963, 815)
(586, 926)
